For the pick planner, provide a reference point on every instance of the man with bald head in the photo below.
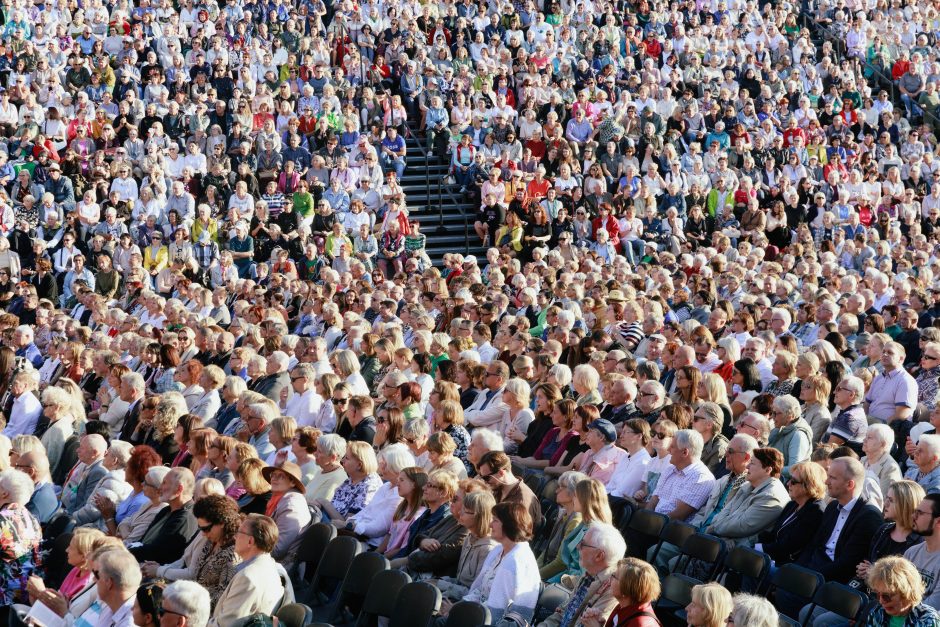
(86, 474)
(44, 502)
(685, 356)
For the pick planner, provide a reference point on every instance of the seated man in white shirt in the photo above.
(26, 406)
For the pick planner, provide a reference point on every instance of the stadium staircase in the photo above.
(446, 215)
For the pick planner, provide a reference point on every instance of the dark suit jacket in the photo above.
(167, 536)
(272, 384)
(852, 545)
(785, 543)
(44, 503)
(130, 421)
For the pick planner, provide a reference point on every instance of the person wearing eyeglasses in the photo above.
(256, 587)
(850, 422)
(118, 576)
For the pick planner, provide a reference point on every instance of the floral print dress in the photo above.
(20, 536)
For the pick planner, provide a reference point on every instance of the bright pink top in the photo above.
(75, 582)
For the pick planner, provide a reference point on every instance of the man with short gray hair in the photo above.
(26, 408)
(275, 378)
(685, 486)
(301, 402)
(118, 577)
(849, 424)
(185, 603)
(602, 547)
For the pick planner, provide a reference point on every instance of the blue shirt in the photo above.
(130, 506)
(396, 145)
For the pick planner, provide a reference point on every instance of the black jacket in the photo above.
(168, 535)
(786, 540)
(852, 545)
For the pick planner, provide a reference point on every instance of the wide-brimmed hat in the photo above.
(616, 296)
(290, 469)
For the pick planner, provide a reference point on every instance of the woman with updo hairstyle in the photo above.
(218, 520)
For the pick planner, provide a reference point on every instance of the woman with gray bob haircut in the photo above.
(753, 611)
(331, 448)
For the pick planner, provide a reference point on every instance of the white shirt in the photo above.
(24, 415)
(630, 474)
(837, 530)
(304, 408)
(375, 519)
(123, 617)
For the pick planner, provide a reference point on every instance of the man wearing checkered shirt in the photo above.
(685, 486)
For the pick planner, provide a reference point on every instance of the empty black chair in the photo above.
(839, 599)
(550, 597)
(676, 533)
(468, 614)
(332, 570)
(294, 615)
(676, 594)
(798, 581)
(705, 550)
(643, 531)
(416, 604)
(355, 586)
(744, 563)
(380, 599)
(310, 551)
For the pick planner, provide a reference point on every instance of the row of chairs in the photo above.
(741, 569)
(339, 583)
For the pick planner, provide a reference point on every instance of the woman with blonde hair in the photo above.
(441, 448)
(787, 538)
(257, 493)
(566, 523)
(516, 416)
(635, 586)
(282, 432)
(449, 419)
(899, 588)
(362, 482)
(346, 364)
(814, 393)
(896, 535)
(710, 606)
(475, 514)
(590, 500)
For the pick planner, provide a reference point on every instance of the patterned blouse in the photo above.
(20, 536)
(461, 438)
(216, 569)
(351, 497)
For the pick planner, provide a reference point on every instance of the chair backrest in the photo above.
(358, 579)
(294, 615)
(415, 605)
(677, 532)
(797, 580)
(334, 564)
(743, 562)
(312, 545)
(535, 484)
(380, 598)
(677, 590)
(704, 548)
(839, 599)
(468, 614)
(648, 522)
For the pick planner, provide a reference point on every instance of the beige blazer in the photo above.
(256, 588)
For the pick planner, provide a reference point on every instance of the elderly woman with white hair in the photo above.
(112, 485)
(21, 536)
(517, 416)
(56, 406)
(753, 611)
(331, 449)
(372, 522)
(879, 439)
